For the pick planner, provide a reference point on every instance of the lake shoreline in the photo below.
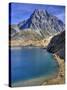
(32, 43)
(58, 78)
(21, 47)
(34, 82)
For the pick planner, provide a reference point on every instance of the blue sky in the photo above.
(21, 11)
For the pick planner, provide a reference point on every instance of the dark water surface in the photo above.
(28, 63)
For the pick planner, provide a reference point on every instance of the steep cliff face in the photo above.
(57, 45)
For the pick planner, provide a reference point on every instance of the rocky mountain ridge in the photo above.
(41, 23)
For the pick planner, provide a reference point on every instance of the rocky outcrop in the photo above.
(57, 45)
(13, 30)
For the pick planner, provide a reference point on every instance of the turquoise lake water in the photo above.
(28, 63)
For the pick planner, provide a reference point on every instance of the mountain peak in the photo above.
(40, 12)
(42, 20)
